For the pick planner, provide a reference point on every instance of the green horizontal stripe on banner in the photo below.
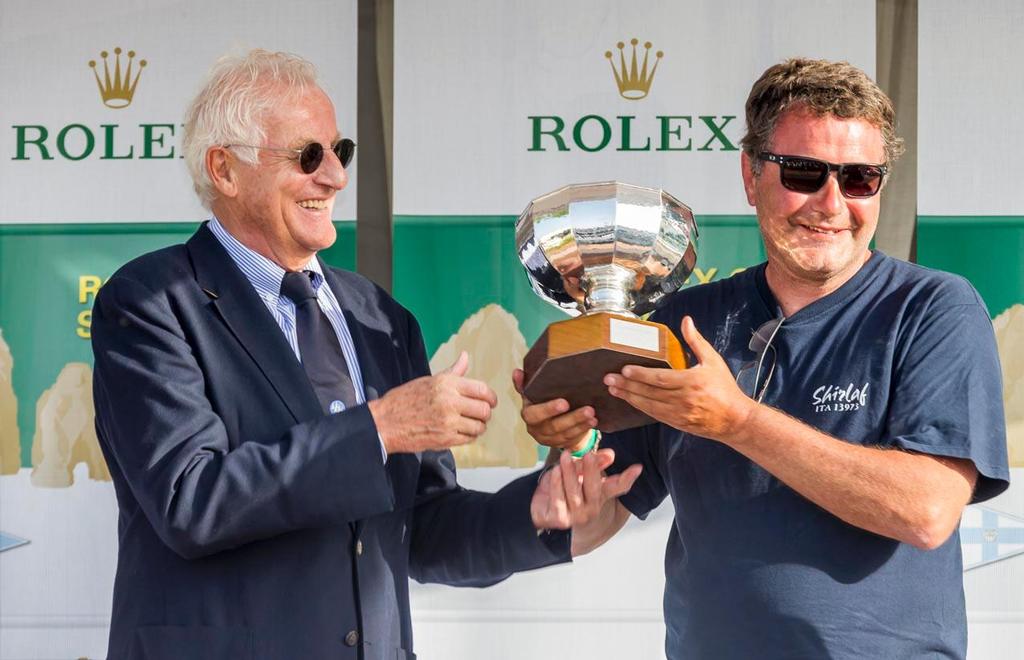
(985, 249)
(973, 221)
(500, 220)
(49, 276)
(78, 228)
(448, 268)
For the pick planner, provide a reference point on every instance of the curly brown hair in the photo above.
(822, 88)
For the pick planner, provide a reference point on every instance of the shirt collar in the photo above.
(264, 275)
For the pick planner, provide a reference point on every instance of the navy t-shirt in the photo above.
(899, 357)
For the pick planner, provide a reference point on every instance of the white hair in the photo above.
(231, 106)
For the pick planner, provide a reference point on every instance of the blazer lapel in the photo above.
(246, 315)
(373, 347)
(375, 383)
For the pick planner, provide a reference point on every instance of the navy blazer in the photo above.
(252, 525)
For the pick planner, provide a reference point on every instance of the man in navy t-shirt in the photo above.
(842, 409)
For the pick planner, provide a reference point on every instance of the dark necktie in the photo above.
(319, 347)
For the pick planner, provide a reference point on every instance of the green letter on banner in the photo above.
(108, 144)
(606, 130)
(23, 140)
(90, 141)
(717, 134)
(554, 132)
(626, 123)
(667, 130)
(149, 139)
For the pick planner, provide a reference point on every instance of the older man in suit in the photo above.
(277, 444)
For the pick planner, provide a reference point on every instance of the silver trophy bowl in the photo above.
(606, 247)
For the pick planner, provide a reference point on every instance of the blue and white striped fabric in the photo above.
(266, 277)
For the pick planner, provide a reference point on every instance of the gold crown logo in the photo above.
(117, 92)
(634, 82)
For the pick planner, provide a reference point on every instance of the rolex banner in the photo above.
(499, 103)
(971, 222)
(92, 175)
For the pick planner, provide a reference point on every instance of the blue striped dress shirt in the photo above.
(265, 276)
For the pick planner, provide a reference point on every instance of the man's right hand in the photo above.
(551, 423)
(434, 412)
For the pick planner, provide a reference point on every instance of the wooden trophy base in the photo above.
(571, 358)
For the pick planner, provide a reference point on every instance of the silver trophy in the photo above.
(605, 253)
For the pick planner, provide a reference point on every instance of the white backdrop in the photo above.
(46, 81)
(971, 91)
(469, 75)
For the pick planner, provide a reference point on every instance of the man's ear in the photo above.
(749, 179)
(220, 166)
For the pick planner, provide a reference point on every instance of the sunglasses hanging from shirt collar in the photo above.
(749, 375)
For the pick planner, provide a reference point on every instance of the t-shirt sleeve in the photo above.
(639, 445)
(947, 395)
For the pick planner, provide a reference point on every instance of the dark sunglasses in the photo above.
(808, 175)
(311, 155)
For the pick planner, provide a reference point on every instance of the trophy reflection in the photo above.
(605, 253)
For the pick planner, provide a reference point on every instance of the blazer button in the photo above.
(352, 638)
(359, 547)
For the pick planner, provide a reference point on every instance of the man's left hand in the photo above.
(703, 400)
(575, 493)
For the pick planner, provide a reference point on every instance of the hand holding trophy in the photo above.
(605, 253)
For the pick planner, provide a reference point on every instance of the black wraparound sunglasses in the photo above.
(808, 175)
(311, 155)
